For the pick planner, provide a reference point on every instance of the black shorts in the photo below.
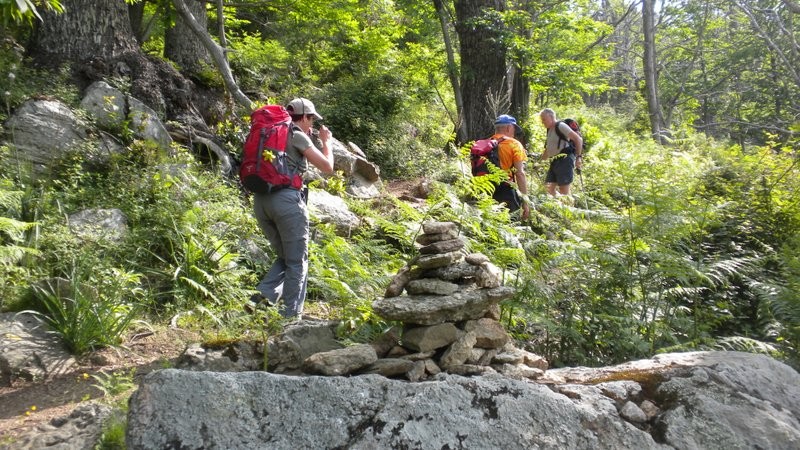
(562, 169)
(504, 193)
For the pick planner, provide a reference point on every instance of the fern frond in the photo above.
(13, 228)
(684, 291)
(782, 303)
(10, 199)
(482, 186)
(721, 271)
(12, 254)
(199, 288)
(744, 344)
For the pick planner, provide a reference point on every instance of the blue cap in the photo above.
(505, 119)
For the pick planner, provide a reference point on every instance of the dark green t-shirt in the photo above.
(298, 143)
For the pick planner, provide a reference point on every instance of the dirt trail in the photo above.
(27, 404)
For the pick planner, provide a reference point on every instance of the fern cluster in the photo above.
(679, 251)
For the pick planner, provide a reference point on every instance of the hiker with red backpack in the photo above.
(507, 153)
(276, 155)
(565, 145)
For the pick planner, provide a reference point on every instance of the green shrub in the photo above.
(260, 64)
(114, 383)
(90, 309)
(377, 114)
(13, 240)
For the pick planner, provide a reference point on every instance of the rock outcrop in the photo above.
(683, 401)
(79, 430)
(42, 131)
(113, 109)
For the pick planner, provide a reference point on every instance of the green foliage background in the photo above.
(663, 248)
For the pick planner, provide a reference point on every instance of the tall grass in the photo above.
(89, 311)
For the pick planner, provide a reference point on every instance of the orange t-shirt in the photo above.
(510, 151)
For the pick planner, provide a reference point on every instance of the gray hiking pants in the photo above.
(283, 219)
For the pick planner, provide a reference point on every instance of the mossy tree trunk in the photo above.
(483, 65)
(87, 29)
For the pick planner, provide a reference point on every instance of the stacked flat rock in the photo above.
(448, 301)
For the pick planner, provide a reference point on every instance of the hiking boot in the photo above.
(256, 302)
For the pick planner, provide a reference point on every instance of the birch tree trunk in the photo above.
(452, 72)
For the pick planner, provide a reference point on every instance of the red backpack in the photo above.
(265, 165)
(483, 151)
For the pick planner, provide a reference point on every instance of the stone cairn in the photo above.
(449, 319)
(449, 314)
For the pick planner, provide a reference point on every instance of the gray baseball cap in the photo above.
(302, 106)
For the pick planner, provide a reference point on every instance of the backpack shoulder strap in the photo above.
(558, 131)
(293, 163)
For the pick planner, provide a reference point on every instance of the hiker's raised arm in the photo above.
(322, 159)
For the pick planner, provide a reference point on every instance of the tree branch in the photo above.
(221, 26)
(452, 72)
(770, 42)
(793, 6)
(614, 26)
(217, 54)
(190, 135)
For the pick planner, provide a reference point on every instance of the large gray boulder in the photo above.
(107, 105)
(699, 400)
(146, 125)
(361, 177)
(260, 410)
(329, 208)
(112, 109)
(97, 223)
(42, 131)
